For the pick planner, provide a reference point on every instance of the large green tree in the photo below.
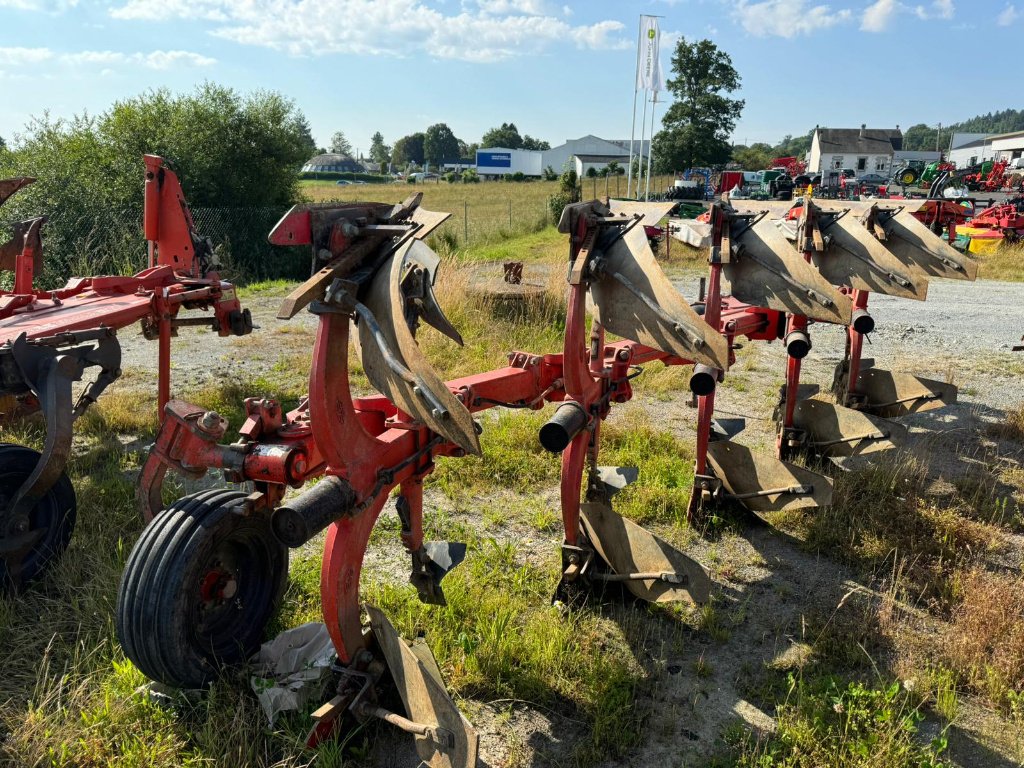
(229, 149)
(440, 144)
(379, 151)
(531, 143)
(696, 127)
(755, 157)
(794, 146)
(506, 136)
(340, 144)
(408, 149)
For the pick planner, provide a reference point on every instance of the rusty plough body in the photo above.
(49, 338)
(207, 573)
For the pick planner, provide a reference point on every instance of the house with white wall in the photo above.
(865, 150)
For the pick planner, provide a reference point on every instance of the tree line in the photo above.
(436, 145)
(230, 150)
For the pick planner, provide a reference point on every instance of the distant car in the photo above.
(342, 182)
(873, 179)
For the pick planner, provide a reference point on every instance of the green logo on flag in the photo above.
(650, 33)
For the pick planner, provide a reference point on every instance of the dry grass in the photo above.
(883, 521)
(490, 327)
(1006, 263)
(680, 254)
(1011, 427)
(986, 642)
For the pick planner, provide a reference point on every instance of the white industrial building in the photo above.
(967, 149)
(1008, 146)
(580, 154)
(905, 156)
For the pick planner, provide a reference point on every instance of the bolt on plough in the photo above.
(775, 270)
(49, 338)
(208, 572)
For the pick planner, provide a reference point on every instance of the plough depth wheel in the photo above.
(199, 588)
(29, 543)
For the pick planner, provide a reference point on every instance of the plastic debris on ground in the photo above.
(290, 669)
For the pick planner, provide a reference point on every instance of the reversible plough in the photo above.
(48, 338)
(208, 572)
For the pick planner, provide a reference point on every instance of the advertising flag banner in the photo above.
(648, 76)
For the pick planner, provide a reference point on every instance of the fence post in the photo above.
(465, 221)
(510, 214)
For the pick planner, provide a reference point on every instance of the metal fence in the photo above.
(111, 242)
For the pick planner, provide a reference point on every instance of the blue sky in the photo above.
(557, 69)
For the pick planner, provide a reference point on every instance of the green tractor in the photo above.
(916, 172)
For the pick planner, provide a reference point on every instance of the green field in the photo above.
(482, 212)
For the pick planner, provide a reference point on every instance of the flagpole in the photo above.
(640, 165)
(632, 135)
(650, 147)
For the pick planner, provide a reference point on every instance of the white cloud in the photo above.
(786, 18)
(939, 9)
(169, 59)
(877, 16)
(1008, 16)
(161, 10)
(17, 57)
(503, 7)
(480, 31)
(11, 58)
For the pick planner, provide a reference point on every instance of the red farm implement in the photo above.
(207, 573)
(50, 338)
(991, 179)
(778, 270)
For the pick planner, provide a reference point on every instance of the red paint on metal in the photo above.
(294, 228)
(855, 342)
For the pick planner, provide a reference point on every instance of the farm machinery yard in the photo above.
(203, 582)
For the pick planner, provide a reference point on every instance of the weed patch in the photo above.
(882, 515)
(826, 721)
(500, 638)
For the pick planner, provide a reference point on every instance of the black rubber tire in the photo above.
(908, 177)
(56, 512)
(173, 622)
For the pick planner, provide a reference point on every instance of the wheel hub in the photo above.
(217, 586)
